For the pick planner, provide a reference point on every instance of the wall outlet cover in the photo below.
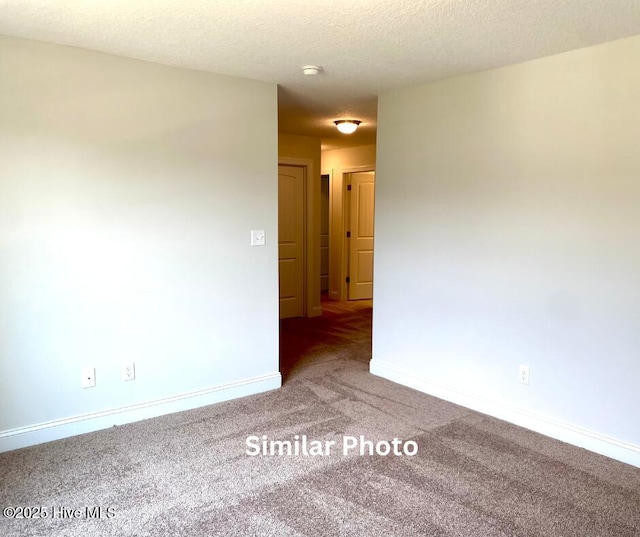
(88, 377)
(523, 374)
(129, 371)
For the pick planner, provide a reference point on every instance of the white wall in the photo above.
(335, 163)
(507, 233)
(127, 194)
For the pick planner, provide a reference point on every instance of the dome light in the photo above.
(347, 126)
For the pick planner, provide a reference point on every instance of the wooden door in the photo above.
(291, 180)
(361, 235)
(324, 234)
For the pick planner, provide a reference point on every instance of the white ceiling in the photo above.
(365, 47)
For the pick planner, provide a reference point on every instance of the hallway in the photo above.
(337, 340)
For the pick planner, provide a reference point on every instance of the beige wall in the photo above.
(291, 149)
(127, 194)
(507, 218)
(336, 163)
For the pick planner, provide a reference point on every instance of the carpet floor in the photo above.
(189, 474)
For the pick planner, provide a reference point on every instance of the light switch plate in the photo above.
(258, 237)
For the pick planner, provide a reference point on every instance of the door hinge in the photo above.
(348, 279)
(349, 187)
(348, 234)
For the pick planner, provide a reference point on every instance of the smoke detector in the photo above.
(311, 70)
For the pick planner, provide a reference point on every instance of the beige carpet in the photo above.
(187, 474)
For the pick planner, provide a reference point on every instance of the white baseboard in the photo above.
(94, 421)
(577, 436)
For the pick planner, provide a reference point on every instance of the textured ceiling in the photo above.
(366, 47)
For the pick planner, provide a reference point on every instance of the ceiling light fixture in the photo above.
(347, 126)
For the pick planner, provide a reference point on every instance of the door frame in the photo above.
(311, 215)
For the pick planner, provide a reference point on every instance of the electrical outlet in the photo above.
(88, 377)
(523, 374)
(129, 371)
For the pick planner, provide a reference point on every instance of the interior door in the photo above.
(324, 233)
(291, 180)
(361, 235)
